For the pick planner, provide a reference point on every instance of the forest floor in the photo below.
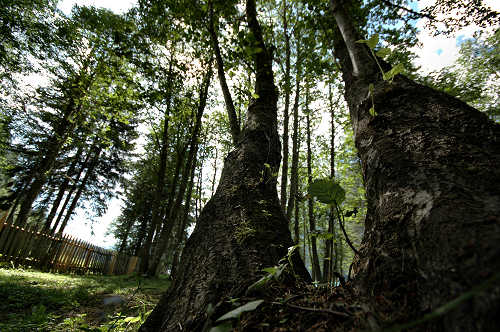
(37, 301)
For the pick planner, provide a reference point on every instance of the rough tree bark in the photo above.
(430, 166)
(242, 229)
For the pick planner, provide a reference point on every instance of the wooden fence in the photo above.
(60, 254)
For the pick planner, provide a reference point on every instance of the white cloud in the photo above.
(437, 52)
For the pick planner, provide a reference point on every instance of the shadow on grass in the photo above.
(36, 301)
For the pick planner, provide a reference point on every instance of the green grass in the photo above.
(37, 301)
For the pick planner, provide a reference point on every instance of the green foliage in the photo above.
(327, 191)
(474, 77)
(372, 43)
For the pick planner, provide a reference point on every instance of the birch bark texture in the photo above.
(430, 167)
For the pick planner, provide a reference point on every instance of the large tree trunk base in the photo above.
(230, 245)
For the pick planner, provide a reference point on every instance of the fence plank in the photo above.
(63, 253)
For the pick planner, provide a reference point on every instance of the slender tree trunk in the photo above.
(295, 152)
(64, 127)
(214, 178)
(330, 245)
(173, 211)
(184, 219)
(228, 99)
(430, 167)
(78, 194)
(62, 189)
(123, 244)
(146, 220)
(71, 190)
(155, 229)
(233, 240)
(286, 117)
(310, 203)
(156, 215)
(14, 206)
(199, 191)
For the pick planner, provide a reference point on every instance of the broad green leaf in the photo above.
(383, 52)
(255, 96)
(250, 306)
(393, 72)
(225, 327)
(373, 41)
(327, 191)
(372, 111)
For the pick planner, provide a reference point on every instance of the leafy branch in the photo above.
(386, 75)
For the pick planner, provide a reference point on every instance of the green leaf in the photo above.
(327, 191)
(271, 270)
(132, 319)
(373, 41)
(255, 96)
(225, 327)
(393, 72)
(250, 306)
(372, 111)
(383, 52)
(259, 283)
(371, 88)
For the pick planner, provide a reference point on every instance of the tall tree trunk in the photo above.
(233, 240)
(214, 178)
(310, 203)
(63, 128)
(155, 229)
(146, 220)
(126, 235)
(156, 214)
(430, 167)
(286, 117)
(184, 219)
(199, 191)
(173, 210)
(81, 188)
(62, 189)
(72, 189)
(295, 151)
(329, 243)
(228, 99)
